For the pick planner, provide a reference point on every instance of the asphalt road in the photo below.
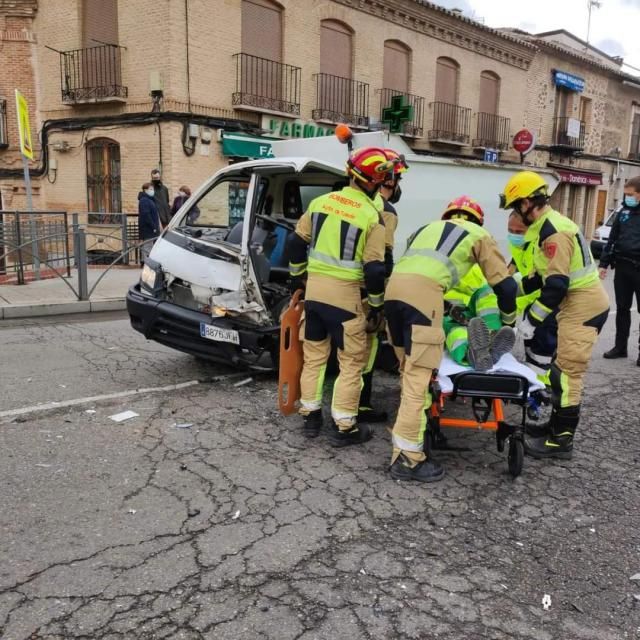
(238, 528)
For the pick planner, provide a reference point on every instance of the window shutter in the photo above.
(489, 93)
(262, 29)
(396, 67)
(446, 81)
(335, 49)
(100, 22)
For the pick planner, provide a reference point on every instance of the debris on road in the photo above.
(90, 411)
(182, 425)
(132, 511)
(124, 415)
(43, 466)
(635, 577)
(243, 382)
(546, 602)
(192, 513)
(236, 515)
(577, 608)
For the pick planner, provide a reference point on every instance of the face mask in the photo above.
(631, 201)
(395, 196)
(151, 192)
(182, 194)
(515, 239)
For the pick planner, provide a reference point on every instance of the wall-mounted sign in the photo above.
(568, 80)
(242, 146)
(490, 155)
(524, 141)
(580, 177)
(281, 128)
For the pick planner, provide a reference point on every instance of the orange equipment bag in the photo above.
(290, 366)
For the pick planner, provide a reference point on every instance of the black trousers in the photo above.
(626, 283)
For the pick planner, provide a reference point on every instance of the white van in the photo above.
(216, 281)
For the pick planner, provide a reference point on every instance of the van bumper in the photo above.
(179, 328)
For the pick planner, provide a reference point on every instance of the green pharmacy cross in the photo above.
(397, 114)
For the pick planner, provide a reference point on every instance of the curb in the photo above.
(61, 308)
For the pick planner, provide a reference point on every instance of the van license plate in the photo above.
(219, 335)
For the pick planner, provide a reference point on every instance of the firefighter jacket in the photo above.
(562, 262)
(341, 236)
(522, 261)
(624, 238)
(446, 250)
(473, 293)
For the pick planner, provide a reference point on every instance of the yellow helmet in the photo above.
(524, 184)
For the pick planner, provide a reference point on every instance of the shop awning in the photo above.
(244, 146)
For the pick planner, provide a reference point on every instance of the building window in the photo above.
(262, 29)
(489, 93)
(397, 60)
(104, 193)
(634, 147)
(4, 138)
(447, 72)
(336, 49)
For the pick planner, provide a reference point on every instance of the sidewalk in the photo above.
(54, 297)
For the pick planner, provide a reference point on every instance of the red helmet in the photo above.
(467, 205)
(369, 166)
(399, 163)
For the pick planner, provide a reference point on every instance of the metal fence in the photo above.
(450, 123)
(32, 241)
(414, 128)
(341, 100)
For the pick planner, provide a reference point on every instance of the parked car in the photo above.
(601, 235)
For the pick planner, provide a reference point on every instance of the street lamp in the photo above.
(592, 4)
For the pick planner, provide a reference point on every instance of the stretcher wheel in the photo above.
(515, 456)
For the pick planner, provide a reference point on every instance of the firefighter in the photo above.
(540, 349)
(566, 274)
(472, 325)
(388, 195)
(339, 244)
(438, 255)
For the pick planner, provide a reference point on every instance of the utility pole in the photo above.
(592, 4)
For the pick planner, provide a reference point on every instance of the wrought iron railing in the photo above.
(414, 127)
(266, 84)
(94, 73)
(492, 131)
(568, 133)
(341, 100)
(450, 123)
(634, 149)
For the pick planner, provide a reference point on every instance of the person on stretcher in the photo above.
(473, 329)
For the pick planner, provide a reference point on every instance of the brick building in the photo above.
(118, 88)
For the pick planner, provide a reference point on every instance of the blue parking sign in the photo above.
(490, 155)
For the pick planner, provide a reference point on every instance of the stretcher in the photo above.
(508, 382)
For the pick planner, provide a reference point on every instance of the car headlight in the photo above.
(151, 277)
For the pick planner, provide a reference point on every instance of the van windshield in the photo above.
(222, 206)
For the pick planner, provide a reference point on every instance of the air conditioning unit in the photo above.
(62, 146)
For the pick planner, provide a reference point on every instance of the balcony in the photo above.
(492, 132)
(341, 100)
(266, 86)
(568, 134)
(412, 128)
(92, 75)
(449, 124)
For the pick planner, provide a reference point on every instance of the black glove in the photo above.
(374, 319)
(297, 283)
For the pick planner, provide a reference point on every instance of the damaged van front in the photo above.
(216, 281)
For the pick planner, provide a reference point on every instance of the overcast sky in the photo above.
(615, 27)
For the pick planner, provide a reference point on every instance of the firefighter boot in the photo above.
(358, 434)
(479, 349)
(312, 423)
(559, 442)
(366, 413)
(502, 342)
(425, 471)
